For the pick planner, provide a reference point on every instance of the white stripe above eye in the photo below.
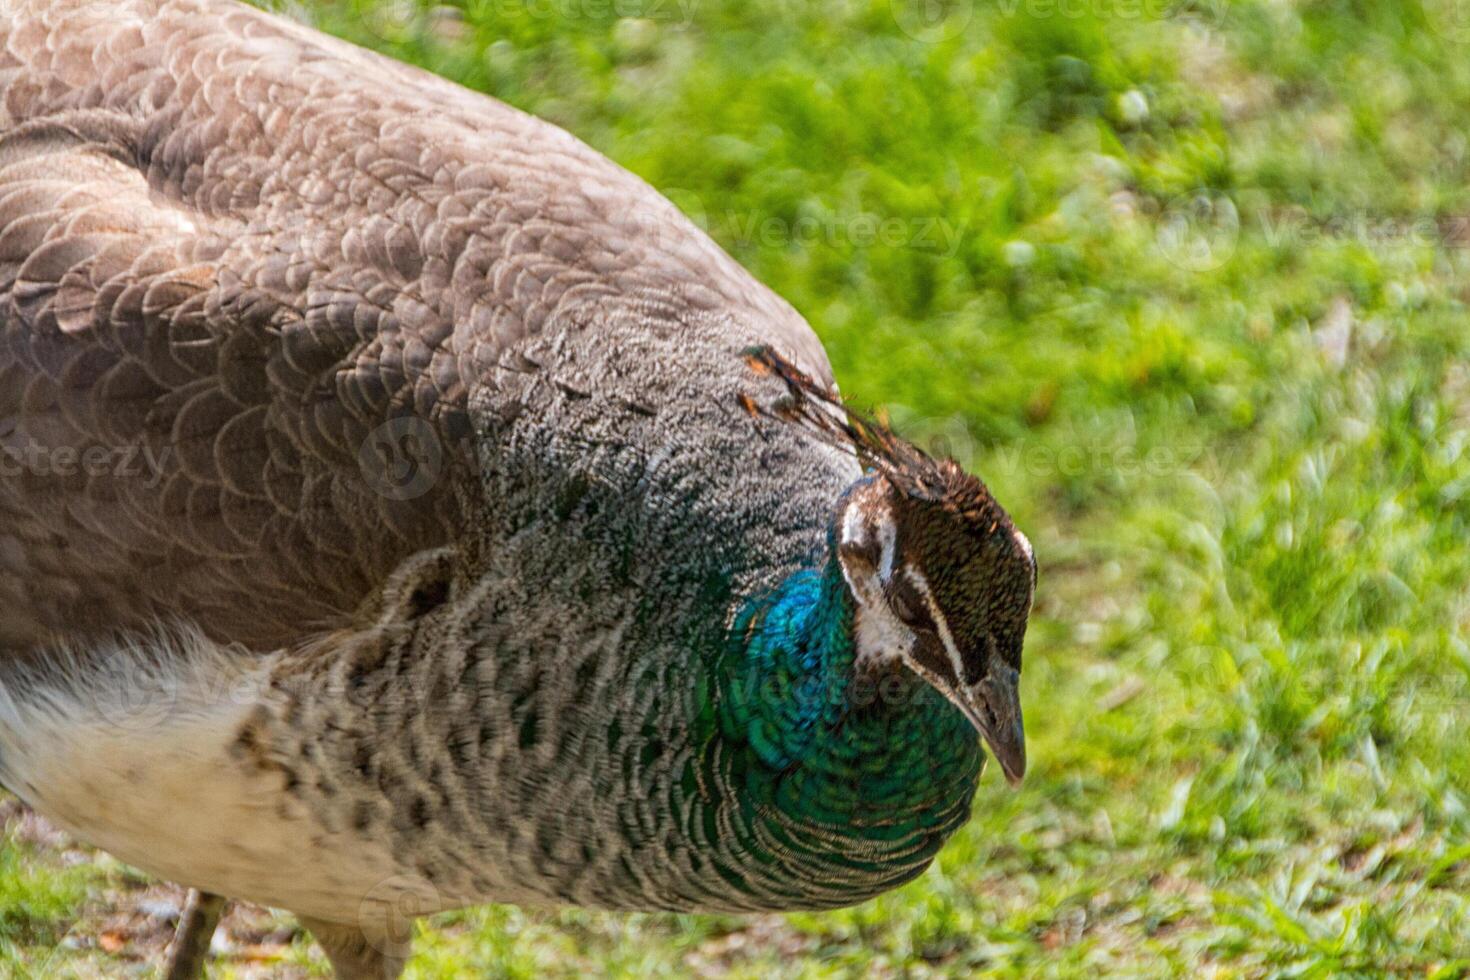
(941, 625)
(854, 531)
(888, 535)
(1024, 543)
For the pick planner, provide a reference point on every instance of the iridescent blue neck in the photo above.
(880, 754)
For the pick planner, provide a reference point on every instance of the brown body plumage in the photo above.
(381, 472)
(230, 250)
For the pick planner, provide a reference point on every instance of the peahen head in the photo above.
(942, 583)
(941, 580)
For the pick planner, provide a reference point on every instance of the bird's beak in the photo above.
(994, 708)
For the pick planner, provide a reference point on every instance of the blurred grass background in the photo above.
(1186, 282)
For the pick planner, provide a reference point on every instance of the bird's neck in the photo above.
(830, 743)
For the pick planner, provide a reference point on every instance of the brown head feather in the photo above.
(949, 523)
(911, 470)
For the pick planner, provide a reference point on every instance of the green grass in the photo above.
(1186, 283)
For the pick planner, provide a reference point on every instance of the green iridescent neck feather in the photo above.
(866, 771)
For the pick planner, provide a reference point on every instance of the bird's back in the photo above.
(271, 306)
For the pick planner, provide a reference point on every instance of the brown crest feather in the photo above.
(911, 470)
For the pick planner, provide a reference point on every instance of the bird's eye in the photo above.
(906, 609)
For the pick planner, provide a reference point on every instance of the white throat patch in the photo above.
(878, 635)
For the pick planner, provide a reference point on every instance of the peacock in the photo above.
(403, 507)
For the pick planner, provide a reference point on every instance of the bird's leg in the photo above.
(361, 952)
(191, 940)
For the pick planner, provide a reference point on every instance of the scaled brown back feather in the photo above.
(236, 248)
